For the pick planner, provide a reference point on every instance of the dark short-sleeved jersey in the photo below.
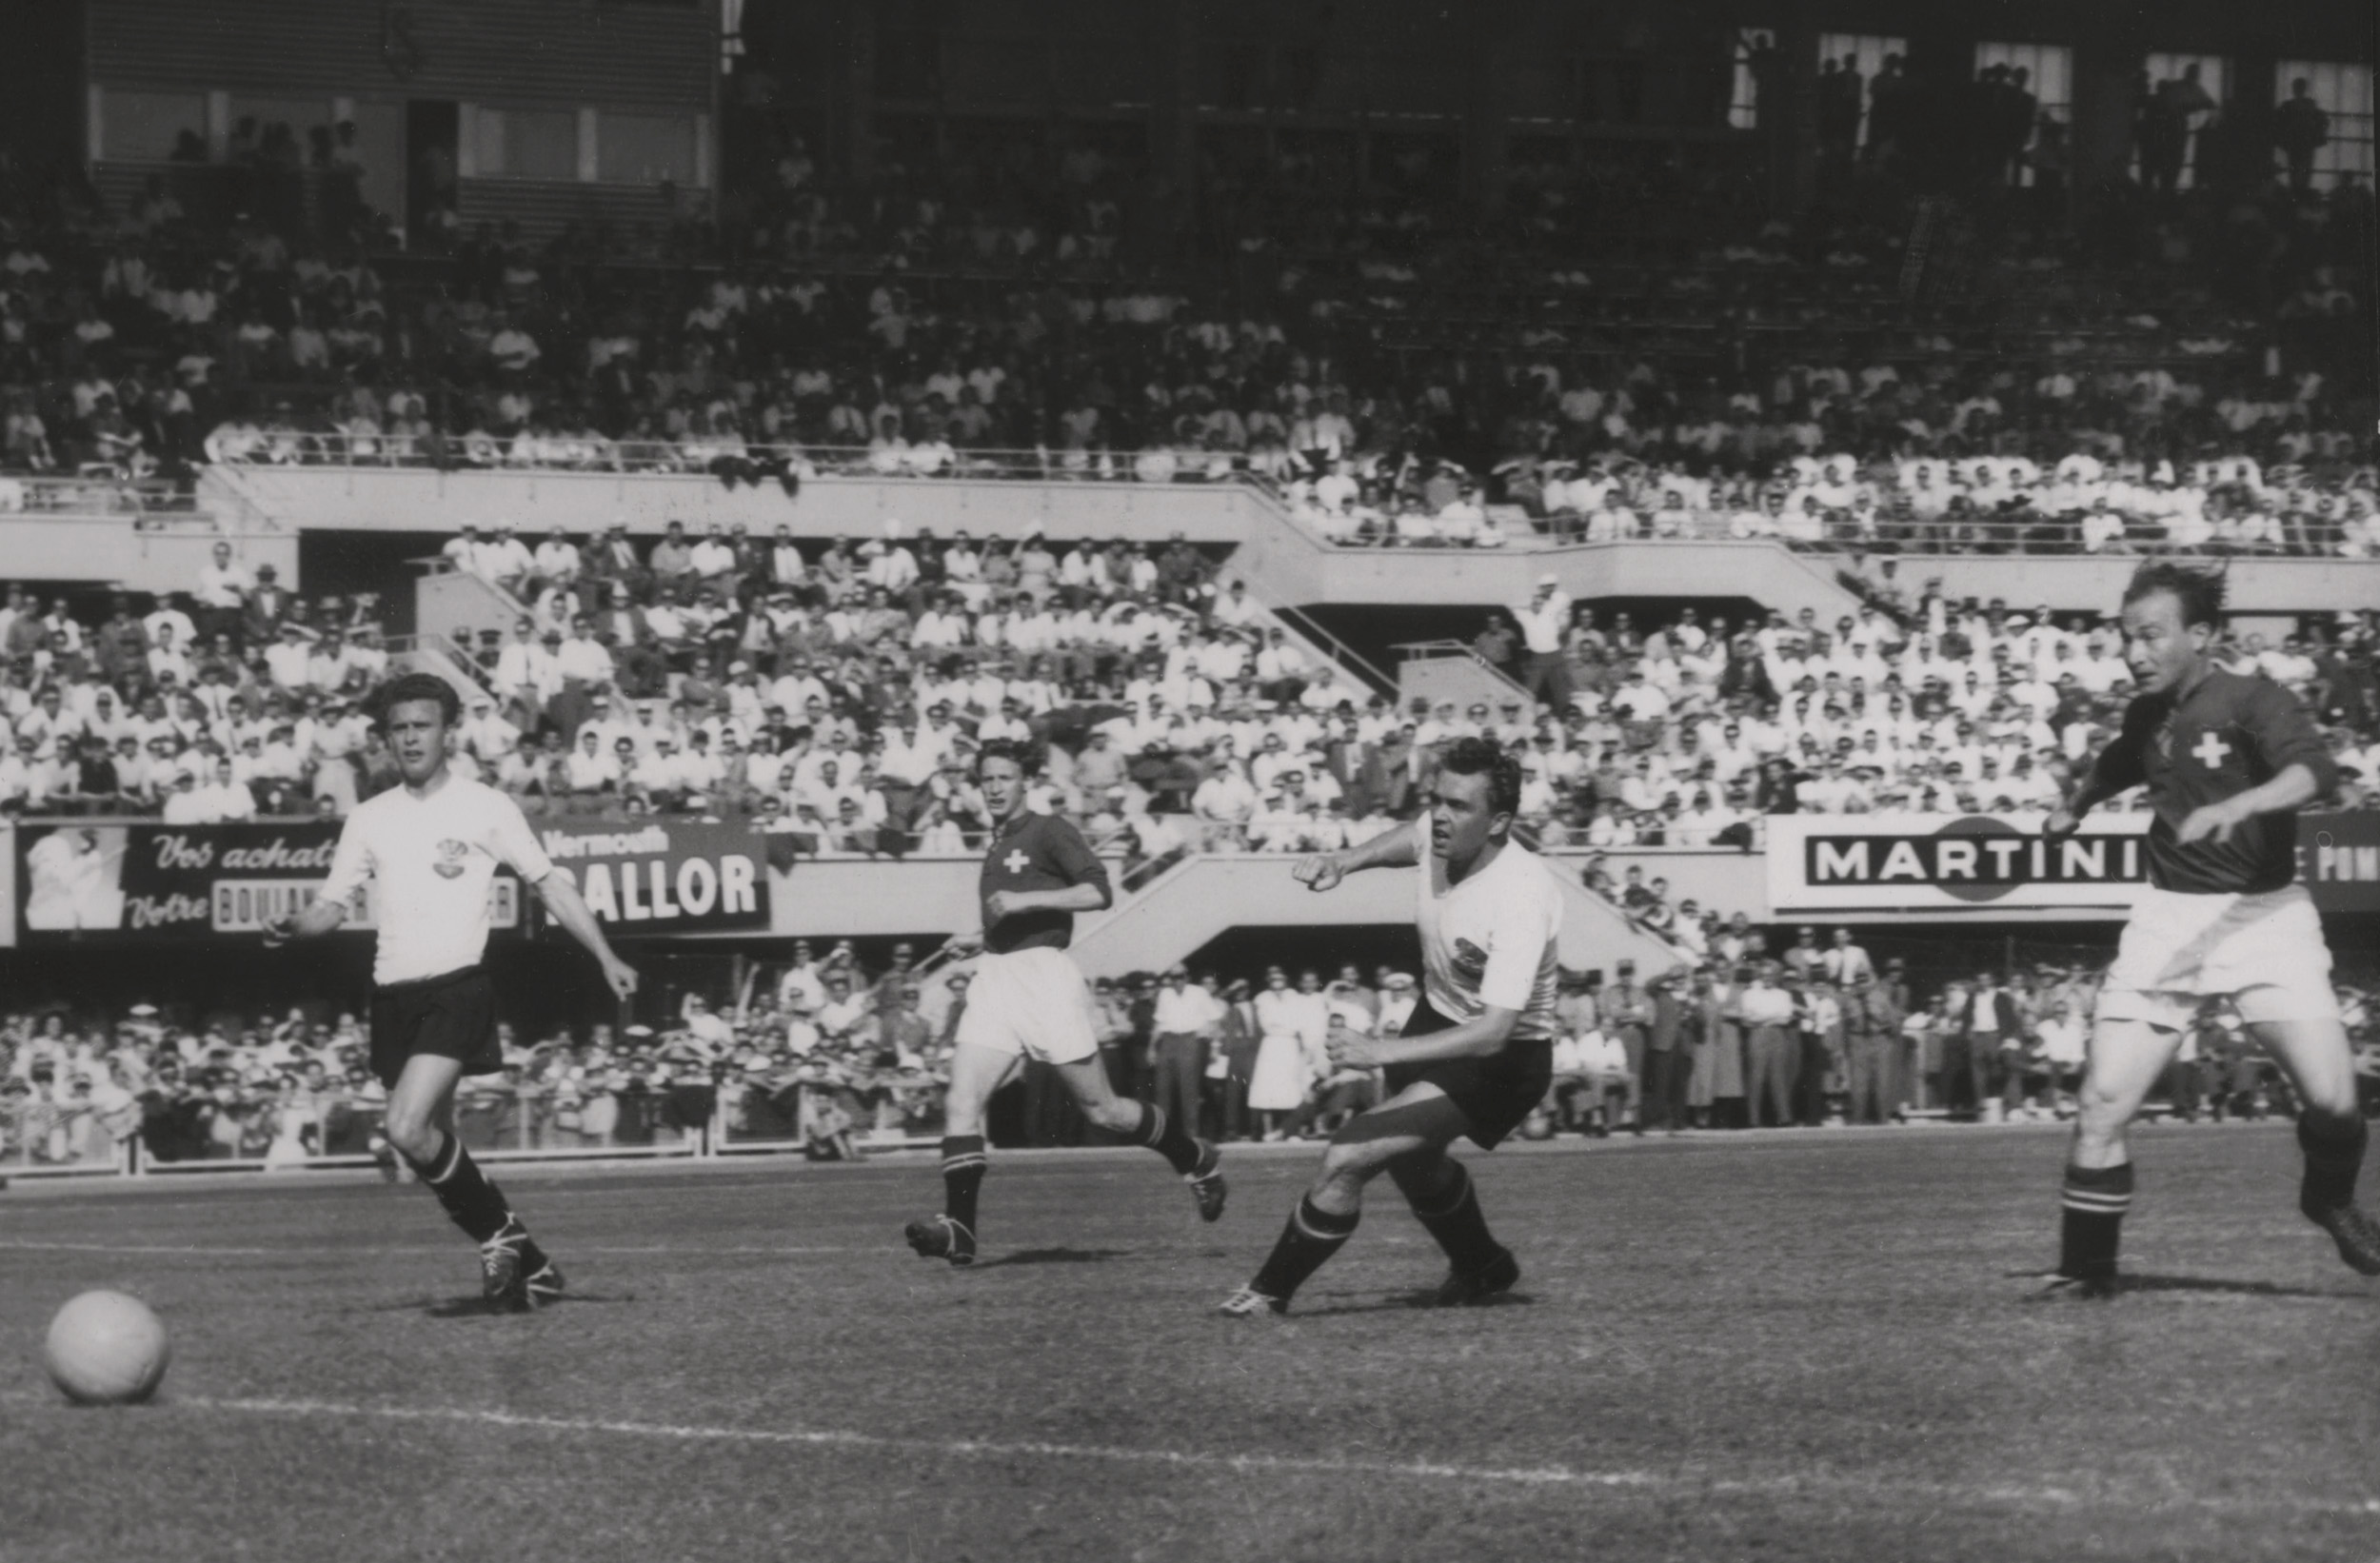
(1037, 852)
(2232, 733)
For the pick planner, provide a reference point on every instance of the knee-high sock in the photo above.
(1311, 1236)
(1168, 1139)
(963, 1166)
(2334, 1143)
(2092, 1219)
(471, 1202)
(1453, 1217)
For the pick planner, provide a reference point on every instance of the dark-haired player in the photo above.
(1476, 1056)
(2227, 762)
(431, 848)
(1027, 1000)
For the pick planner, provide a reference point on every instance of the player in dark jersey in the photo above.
(1027, 1000)
(2227, 762)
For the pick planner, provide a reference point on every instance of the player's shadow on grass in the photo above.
(476, 1307)
(2130, 1284)
(1397, 1302)
(1055, 1256)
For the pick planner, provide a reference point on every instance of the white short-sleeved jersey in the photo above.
(1492, 940)
(432, 860)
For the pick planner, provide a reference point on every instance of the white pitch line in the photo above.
(1526, 1476)
(208, 1251)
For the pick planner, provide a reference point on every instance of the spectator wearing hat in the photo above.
(1819, 1018)
(1668, 1058)
(1627, 1019)
(1872, 1036)
(1984, 1023)
(1545, 619)
(1236, 1039)
(1769, 1048)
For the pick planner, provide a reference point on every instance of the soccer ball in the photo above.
(107, 1349)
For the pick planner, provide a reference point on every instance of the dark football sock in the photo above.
(472, 1202)
(2334, 1143)
(2092, 1205)
(963, 1166)
(1311, 1236)
(1453, 1217)
(1167, 1139)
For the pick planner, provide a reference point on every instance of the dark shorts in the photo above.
(1493, 1093)
(451, 1017)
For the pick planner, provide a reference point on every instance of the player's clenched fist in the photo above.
(1319, 872)
(1348, 1050)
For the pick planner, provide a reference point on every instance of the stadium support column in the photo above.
(855, 123)
(1486, 114)
(1793, 140)
(1173, 118)
(2108, 54)
(2243, 155)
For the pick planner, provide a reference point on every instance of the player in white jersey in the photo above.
(1476, 1056)
(431, 847)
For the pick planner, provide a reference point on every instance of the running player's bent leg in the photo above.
(1446, 1203)
(1419, 1122)
(2321, 1064)
(1136, 1122)
(2127, 1057)
(420, 1123)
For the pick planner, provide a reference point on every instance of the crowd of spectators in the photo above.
(929, 329)
(835, 696)
(237, 700)
(834, 1056)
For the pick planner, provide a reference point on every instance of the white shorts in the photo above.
(1032, 1002)
(2264, 952)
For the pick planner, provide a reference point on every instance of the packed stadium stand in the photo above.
(1712, 506)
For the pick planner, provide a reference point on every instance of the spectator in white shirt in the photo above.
(1845, 962)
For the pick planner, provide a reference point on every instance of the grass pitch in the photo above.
(1774, 1346)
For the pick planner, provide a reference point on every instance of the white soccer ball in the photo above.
(107, 1349)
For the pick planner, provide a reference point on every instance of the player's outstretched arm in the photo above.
(561, 899)
(1399, 847)
(2117, 768)
(1090, 896)
(322, 915)
(2095, 787)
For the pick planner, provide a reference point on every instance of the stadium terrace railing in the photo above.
(1431, 651)
(2041, 537)
(93, 495)
(2287, 535)
(735, 460)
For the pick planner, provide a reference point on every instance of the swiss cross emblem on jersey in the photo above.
(2211, 750)
(450, 856)
(1016, 860)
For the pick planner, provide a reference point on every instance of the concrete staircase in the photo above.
(1200, 898)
